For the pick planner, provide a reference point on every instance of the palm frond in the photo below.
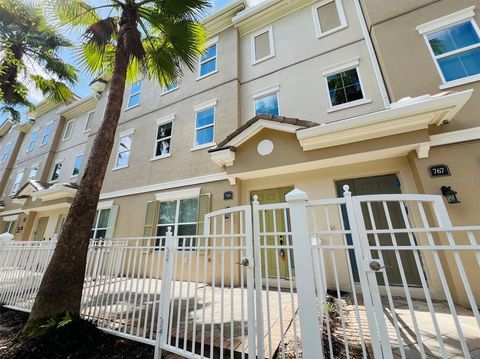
(53, 90)
(74, 12)
(101, 32)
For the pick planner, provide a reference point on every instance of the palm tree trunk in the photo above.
(62, 284)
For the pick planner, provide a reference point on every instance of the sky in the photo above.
(81, 88)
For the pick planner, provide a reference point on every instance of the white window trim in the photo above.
(53, 169)
(3, 152)
(211, 42)
(199, 108)
(85, 129)
(10, 218)
(125, 133)
(268, 29)
(130, 95)
(36, 131)
(65, 138)
(267, 92)
(178, 195)
(165, 91)
(41, 140)
(162, 121)
(341, 67)
(75, 161)
(22, 172)
(341, 16)
(105, 204)
(37, 164)
(465, 15)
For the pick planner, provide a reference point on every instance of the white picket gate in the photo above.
(358, 276)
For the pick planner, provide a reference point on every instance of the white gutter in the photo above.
(373, 56)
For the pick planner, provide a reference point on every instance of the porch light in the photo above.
(450, 194)
(98, 85)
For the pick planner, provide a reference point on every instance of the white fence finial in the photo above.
(169, 231)
(346, 190)
(255, 199)
(296, 195)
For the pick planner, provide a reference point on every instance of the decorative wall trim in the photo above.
(447, 20)
(214, 177)
(469, 134)
(181, 194)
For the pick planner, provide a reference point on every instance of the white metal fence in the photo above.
(366, 276)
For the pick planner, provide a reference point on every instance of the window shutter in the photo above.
(150, 218)
(112, 217)
(203, 209)
(13, 227)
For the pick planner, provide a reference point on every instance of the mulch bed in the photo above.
(79, 340)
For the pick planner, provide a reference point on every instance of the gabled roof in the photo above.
(38, 186)
(269, 121)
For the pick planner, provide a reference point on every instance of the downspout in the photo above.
(373, 56)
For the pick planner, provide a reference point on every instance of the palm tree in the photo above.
(145, 37)
(29, 56)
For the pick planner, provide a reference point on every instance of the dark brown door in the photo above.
(387, 184)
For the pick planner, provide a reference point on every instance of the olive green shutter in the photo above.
(149, 229)
(112, 218)
(203, 209)
(41, 227)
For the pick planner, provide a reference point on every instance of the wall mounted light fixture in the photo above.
(450, 194)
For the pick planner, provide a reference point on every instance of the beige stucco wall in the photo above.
(297, 67)
(183, 162)
(406, 63)
(13, 138)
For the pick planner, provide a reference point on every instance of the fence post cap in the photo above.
(296, 195)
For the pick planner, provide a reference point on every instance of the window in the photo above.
(100, 224)
(262, 45)
(134, 96)
(181, 216)
(33, 172)
(33, 141)
(56, 171)
(123, 152)
(77, 165)
(208, 61)
(68, 130)
(344, 87)
(9, 226)
(454, 43)
(456, 50)
(6, 152)
(17, 182)
(204, 126)
(170, 87)
(267, 104)
(46, 133)
(163, 139)
(104, 222)
(328, 17)
(88, 124)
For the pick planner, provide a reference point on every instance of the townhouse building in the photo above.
(312, 95)
(48, 162)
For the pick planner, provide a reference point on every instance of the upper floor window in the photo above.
(46, 133)
(77, 165)
(6, 152)
(56, 171)
(33, 172)
(33, 141)
(170, 87)
(204, 127)
(123, 151)
(454, 43)
(68, 130)
(267, 104)
(88, 124)
(208, 61)
(17, 182)
(344, 85)
(262, 45)
(134, 95)
(163, 139)
(328, 17)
